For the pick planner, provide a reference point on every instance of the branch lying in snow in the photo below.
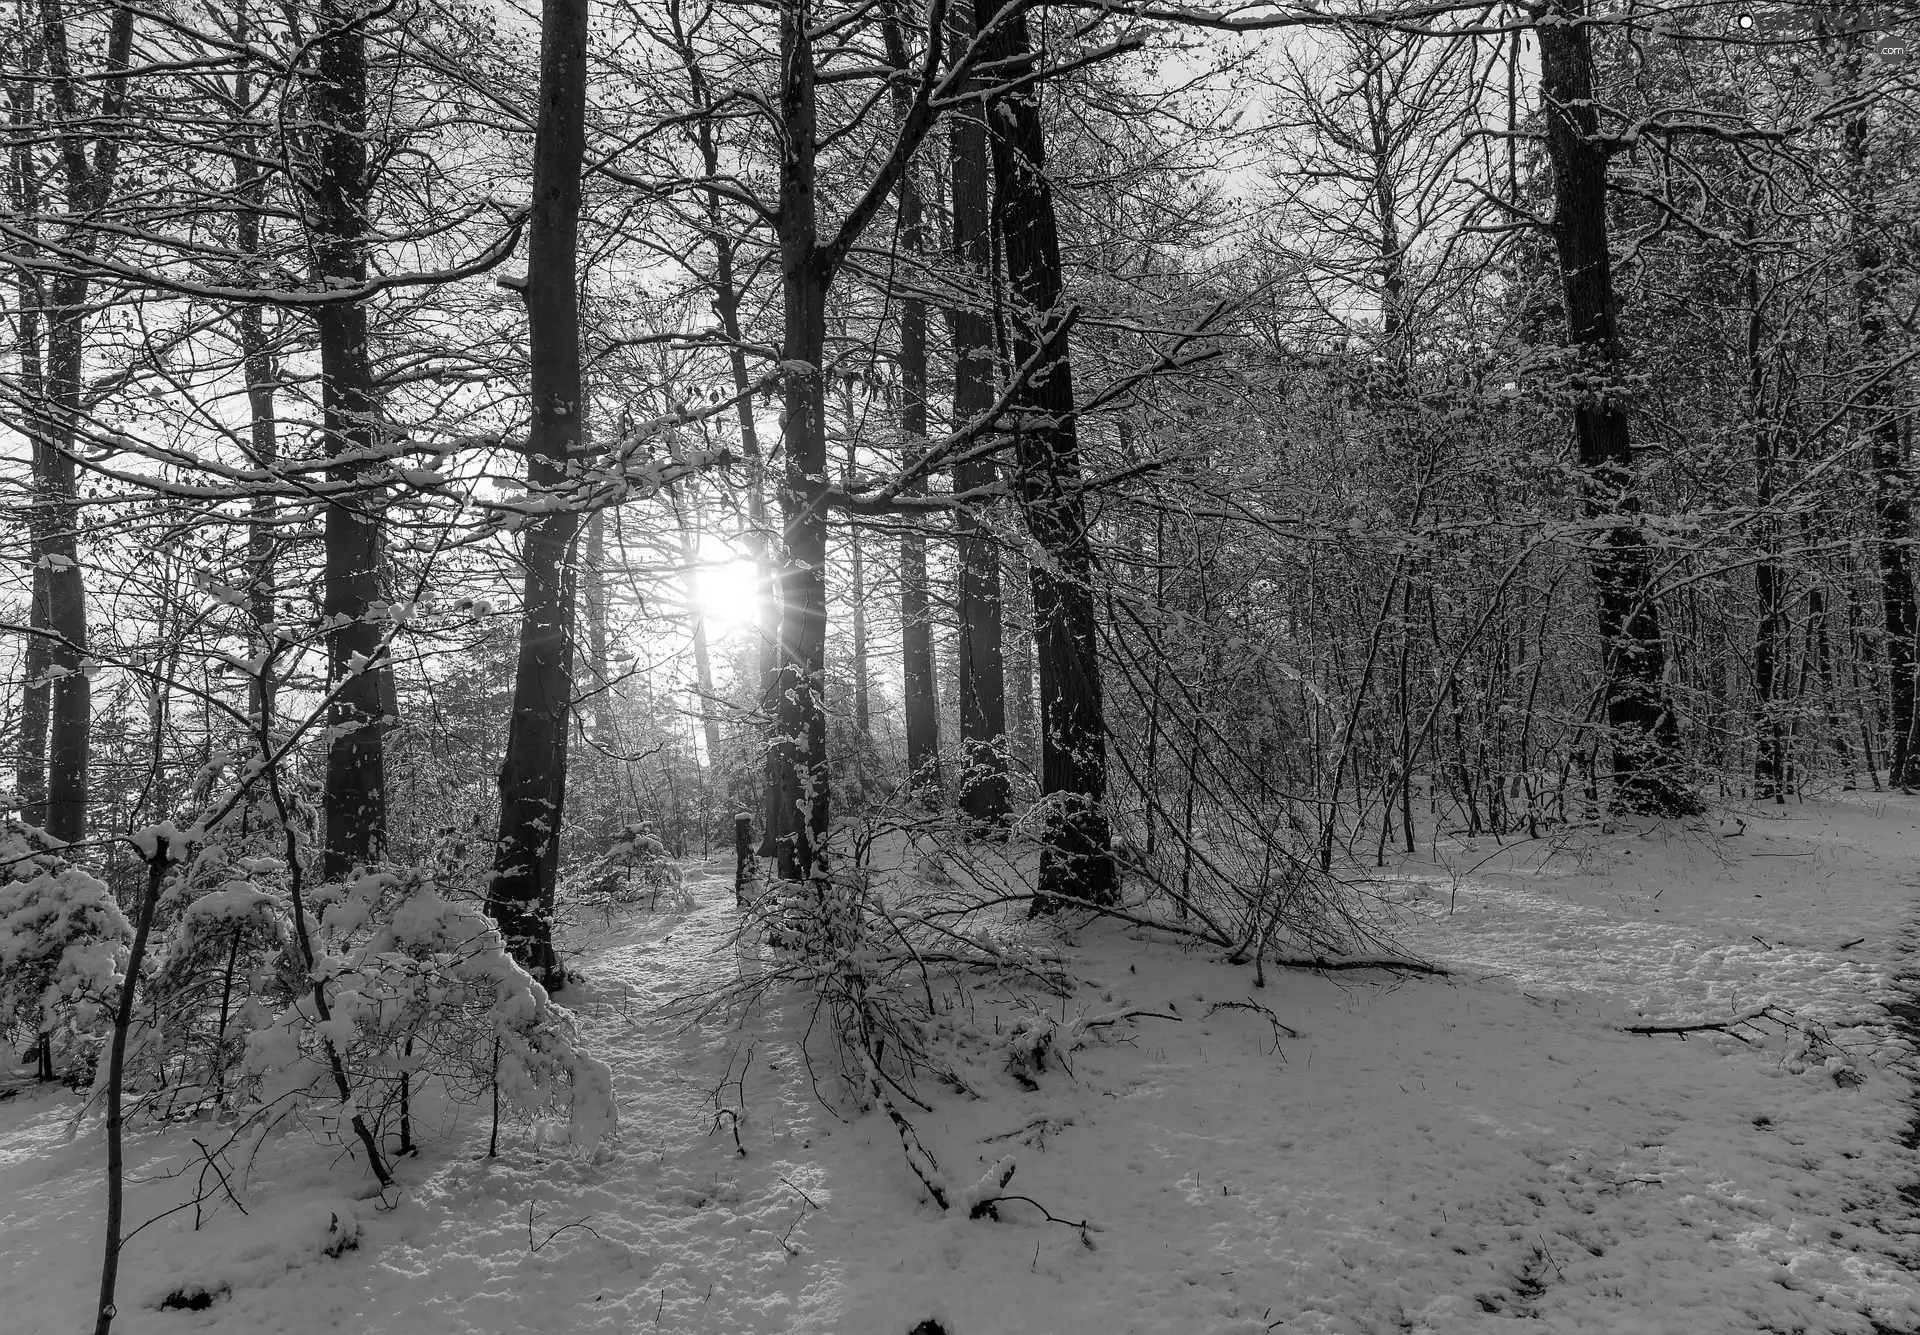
(1118, 1017)
(1702, 1027)
(536, 1246)
(1785, 1019)
(1256, 1007)
(1086, 1228)
(1321, 962)
(918, 1159)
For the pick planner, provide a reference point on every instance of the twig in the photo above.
(224, 1184)
(1129, 1015)
(1083, 1225)
(918, 1159)
(734, 1122)
(788, 1247)
(1272, 1019)
(535, 1247)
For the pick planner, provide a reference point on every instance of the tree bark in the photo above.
(985, 794)
(30, 764)
(354, 798)
(697, 626)
(1077, 862)
(798, 747)
(1768, 758)
(89, 179)
(919, 695)
(1886, 457)
(533, 775)
(596, 573)
(1643, 731)
(257, 366)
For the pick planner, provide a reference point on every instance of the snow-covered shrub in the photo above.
(421, 985)
(636, 869)
(63, 945)
(221, 969)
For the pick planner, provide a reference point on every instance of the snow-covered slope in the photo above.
(1491, 1151)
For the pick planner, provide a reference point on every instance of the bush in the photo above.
(63, 946)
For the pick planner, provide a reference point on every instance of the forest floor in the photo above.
(1489, 1151)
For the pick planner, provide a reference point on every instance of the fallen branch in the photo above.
(1083, 1225)
(918, 1159)
(1703, 1027)
(535, 1247)
(1257, 1008)
(1320, 962)
(1129, 1015)
(1682, 1028)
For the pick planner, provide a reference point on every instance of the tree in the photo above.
(533, 776)
(89, 169)
(1077, 862)
(355, 793)
(916, 624)
(1642, 728)
(985, 794)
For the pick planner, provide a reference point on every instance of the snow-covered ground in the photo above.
(1489, 1151)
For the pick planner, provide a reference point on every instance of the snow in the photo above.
(62, 938)
(1491, 1151)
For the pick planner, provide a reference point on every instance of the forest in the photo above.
(601, 597)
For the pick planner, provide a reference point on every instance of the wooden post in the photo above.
(743, 869)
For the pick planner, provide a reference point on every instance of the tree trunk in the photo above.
(919, 695)
(1644, 734)
(596, 572)
(1077, 862)
(1768, 759)
(985, 794)
(1886, 459)
(533, 776)
(89, 182)
(702, 653)
(30, 766)
(258, 368)
(857, 603)
(355, 796)
(798, 748)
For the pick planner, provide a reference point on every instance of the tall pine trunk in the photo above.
(1077, 862)
(257, 367)
(797, 752)
(985, 793)
(596, 576)
(689, 526)
(30, 763)
(1641, 726)
(1886, 457)
(355, 797)
(89, 170)
(533, 775)
(1769, 751)
(919, 697)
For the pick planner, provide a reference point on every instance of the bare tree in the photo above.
(533, 775)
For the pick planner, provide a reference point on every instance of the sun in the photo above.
(724, 588)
